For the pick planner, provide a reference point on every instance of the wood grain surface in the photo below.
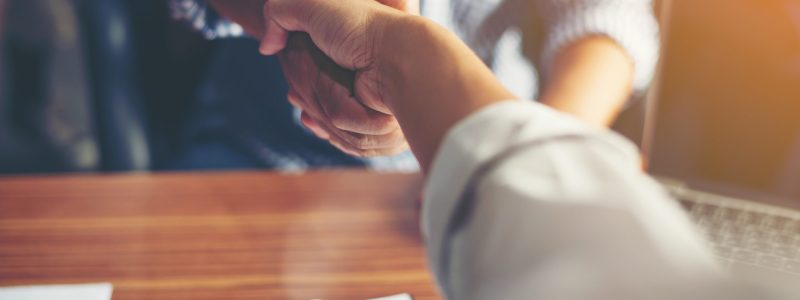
(241, 235)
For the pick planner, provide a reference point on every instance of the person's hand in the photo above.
(402, 64)
(324, 93)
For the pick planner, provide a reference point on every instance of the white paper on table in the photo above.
(395, 297)
(91, 291)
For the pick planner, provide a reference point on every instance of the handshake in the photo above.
(370, 76)
(338, 89)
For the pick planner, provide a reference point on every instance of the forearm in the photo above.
(433, 81)
(246, 13)
(591, 79)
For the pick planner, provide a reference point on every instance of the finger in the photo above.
(359, 144)
(348, 149)
(409, 6)
(310, 107)
(301, 73)
(370, 152)
(315, 76)
(314, 113)
(336, 140)
(386, 152)
(368, 93)
(308, 118)
(275, 36)
(347, 113)
(314, 126)
(334, 26)
(362, 142)
(294, 100)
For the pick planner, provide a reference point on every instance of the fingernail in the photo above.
(312, 125)
(264, 46)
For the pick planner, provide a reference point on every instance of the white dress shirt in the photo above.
(523, 202)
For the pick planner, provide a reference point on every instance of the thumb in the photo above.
(409, 6)
(275, 36)
(341, 29)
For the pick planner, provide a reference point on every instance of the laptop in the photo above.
(725, 134)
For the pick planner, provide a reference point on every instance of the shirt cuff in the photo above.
(630, 23)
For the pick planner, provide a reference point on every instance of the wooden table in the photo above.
(241, 235)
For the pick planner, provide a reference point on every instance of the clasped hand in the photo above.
(343, 106)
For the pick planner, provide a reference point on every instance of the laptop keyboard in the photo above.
(751, 237)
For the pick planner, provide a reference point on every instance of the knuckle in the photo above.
(384, 124)
(364, 142)
(360, 142)
(339, 119)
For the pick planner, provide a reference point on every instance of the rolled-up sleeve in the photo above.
(523, 202)
(630, 23)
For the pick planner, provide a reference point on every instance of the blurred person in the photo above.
(523, 202)
(591, 55)
(45, 122)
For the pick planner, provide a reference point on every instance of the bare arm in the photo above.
(595, 53)
(453, 85)
(590, 79)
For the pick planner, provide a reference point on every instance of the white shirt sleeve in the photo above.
(523, 202)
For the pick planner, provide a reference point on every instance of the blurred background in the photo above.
(119, 85)
(728, 105)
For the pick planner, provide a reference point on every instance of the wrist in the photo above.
(398, 54)
(430, 80)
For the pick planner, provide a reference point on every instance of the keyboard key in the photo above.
(750, 237)
(771, 261)
(736, 229)
(716, 237)
(785, 252)
(744, 217)
(687, 205)
(762, 237)
(702, 208)
(724, 262)
(727, 214)
(778, 222)
(755, 218)
(783, 239)
(767, 221)
(736, 241)
(791, 226)
(761, 247)
(746, 256)
(792, 266)
(796, 228)
(723, 251)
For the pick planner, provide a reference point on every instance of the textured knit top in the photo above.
(518, 37)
